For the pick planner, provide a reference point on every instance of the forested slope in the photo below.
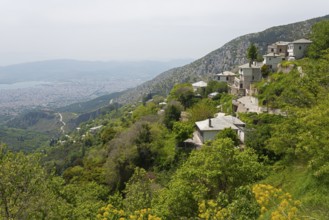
(136, 165)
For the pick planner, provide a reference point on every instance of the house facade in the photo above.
(272, 60)
(237, 87)
(225, 76)
(198, 85)
(297, 49)
(280, 48)
(249, 73)
(209, 128)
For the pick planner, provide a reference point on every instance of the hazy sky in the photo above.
(136, 29)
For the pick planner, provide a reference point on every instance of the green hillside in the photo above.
(132, 162)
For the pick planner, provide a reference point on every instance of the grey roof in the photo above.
(200, 84)
(226, 73)
(282, 43)
(219, 123)
(234, 120)
(301, 41)
(244, 66)
(213, 94)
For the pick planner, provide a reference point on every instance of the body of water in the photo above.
(21, 85)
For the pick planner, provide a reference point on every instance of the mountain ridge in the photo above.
(227, 57)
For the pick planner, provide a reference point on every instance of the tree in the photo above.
(142, 141)
(304, 135)
(265, 70)
(202, 110)
(226, 103)
(217, 168)
(183, 131)
(259, 130)
(172, 114)
(21, 184)
(27, 191)
(150, 108)
(252, 52)
(107, 134)
(138, 192)
(242, 205)
(229, 133)
(84, 199)
(183, 93)
(319, 37)
(215, 86)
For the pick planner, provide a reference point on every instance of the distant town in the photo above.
(56, 94)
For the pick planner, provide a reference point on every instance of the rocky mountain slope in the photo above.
(227, 57)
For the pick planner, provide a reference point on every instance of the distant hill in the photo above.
(62, 70)
(227, 57)
(41, 121)
(31, 130)
(91, 105)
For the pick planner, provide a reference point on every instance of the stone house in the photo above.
(297, 49)
(236, 88)
(225, 76)
(272, 60)
(280, 47)
(250, 73)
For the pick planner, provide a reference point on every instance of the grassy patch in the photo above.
(302, 185)
(22, 140)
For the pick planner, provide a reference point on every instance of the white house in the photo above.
(200, 84)
(94, 129)
(225, 76)
(209, 128)
(297, 48)
(272, 60)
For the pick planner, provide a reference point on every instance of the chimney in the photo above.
(209, 121)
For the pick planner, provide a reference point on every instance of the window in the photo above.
(253, 77)
(269, 58)
(227, 78)
(272, 50)
(280, 50)
(300, 47)
(241, 86)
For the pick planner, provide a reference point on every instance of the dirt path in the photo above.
(61, 120)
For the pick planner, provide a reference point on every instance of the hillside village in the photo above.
(139, 161)
(241, 85)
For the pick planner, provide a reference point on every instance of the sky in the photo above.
(134, 30)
